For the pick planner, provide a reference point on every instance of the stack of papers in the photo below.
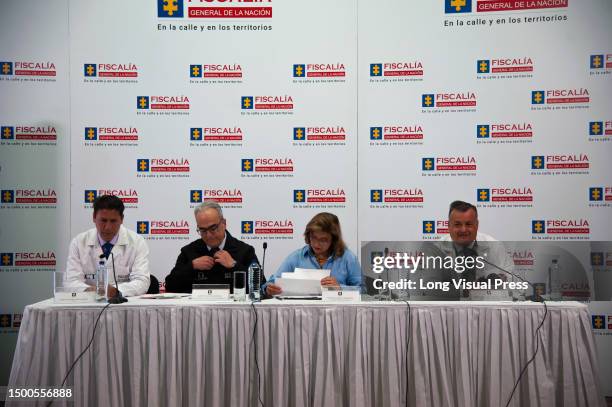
(302, 282)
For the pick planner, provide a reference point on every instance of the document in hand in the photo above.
(302, 282)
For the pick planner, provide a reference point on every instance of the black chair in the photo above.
(154, 286)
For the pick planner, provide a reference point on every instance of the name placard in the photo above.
(74, 296)
(210, 292)
(341, 295)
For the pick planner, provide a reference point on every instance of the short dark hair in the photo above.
(110, 202)
(461, 206)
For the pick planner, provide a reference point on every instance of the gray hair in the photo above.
(208, 205)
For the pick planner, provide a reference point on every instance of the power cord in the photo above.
(93, 335)
(254, 342)
(536, 335)
(537, 339)
(408, 334)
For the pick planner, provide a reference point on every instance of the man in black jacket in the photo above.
(213, 258)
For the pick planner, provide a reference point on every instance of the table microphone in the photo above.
(468, 252)
(263, 262)
(117, 298)
(387, 272)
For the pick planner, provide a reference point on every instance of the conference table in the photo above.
(184, 352)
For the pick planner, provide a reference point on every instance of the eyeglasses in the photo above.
(321, 240)
(210, 229)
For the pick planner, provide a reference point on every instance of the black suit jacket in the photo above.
(183, 275)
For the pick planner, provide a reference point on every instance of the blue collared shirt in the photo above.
(345, 269)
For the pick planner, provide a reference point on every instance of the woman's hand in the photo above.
(329, 282)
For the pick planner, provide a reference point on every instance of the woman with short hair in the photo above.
(324, 249)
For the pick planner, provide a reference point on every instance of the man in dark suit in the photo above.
(213, 258)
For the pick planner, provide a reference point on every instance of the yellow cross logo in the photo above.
(299, 196)
(299, 134)
(428, 100)
(596, 259)
(299, 71)
(6, 259)
(457, 4)
(246, 103)
(143, 102)
(595, 194)
(596, 61)
(246, 227)
(376, 70)
(538, 227)
(247, 165)
(170, 7)
(195, 71)
(142, 227)
(595, 128)
(7, 132)
(196, 134)
(483, 131)
(537, 162)
(143, 165)
(483, 65)
(6, 68)
(90, 70)
(7, 196)
(537, 97)
(598, 322)
(376, 196)
(376, 133)
(483, 195)
(428, 164)
(196, 196)
(91, 134)
(91, 196)
(428, 227)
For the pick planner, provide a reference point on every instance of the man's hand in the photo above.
(225, 259)
(203, 263)
(273, 289)
(329, 282)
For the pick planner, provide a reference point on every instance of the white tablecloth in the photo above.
(181, 353)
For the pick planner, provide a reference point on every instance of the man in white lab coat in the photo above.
(126, 249)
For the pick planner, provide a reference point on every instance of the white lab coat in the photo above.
(130, 256)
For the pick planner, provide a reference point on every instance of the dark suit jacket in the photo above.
(183, 275)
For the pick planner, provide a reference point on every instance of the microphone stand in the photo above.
(385, 294)
(472, 253)
(118, 298)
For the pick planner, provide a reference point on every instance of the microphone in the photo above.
(388, 290)
(263, 261)
(472, 253)
(118, 298)
(386, 255)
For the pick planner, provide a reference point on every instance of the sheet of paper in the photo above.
(292, 286)
(307, 274)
